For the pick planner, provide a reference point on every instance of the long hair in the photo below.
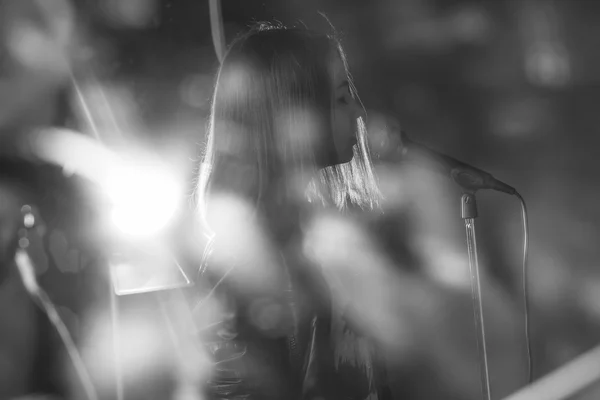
(272, 102)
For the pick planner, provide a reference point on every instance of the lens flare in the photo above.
(143, 192)
(145, 198)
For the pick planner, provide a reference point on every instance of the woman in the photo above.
(286, 137)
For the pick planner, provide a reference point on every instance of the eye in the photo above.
(343, 100)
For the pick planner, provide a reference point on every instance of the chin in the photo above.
(346, 157)
(337, 158)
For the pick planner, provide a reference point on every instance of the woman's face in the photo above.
(345, 111)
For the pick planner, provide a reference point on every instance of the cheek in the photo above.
(343, 130)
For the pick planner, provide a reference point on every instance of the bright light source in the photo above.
(145, 198)
(144, 193)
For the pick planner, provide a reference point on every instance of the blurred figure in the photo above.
(286, 139)
(36, 39)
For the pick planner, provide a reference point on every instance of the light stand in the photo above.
(469, 213)
(116, 336)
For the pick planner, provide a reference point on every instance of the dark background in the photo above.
(508, 85)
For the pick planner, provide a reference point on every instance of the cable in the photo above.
(216, 28)
(27, 273)
(525, 287)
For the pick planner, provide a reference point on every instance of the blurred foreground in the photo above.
(507, 86)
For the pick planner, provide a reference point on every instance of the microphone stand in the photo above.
(470, 179)
(469, 213)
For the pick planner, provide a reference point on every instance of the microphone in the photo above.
(468, 177)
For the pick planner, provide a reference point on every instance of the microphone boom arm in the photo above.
(468, 177)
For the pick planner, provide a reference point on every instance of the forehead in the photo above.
(337, 68)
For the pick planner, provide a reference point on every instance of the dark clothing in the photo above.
(278, 345)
